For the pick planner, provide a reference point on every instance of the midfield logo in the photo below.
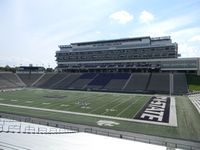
(157, 109)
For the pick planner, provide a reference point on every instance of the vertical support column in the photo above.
(198, 66)
(171, 84)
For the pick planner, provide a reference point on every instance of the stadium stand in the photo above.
(83, 81)
(108, 81)
(99, 81)
(67, 81)
(5, 84)
(117, 82)
(114, 81)
(147, 60)
(13, 79)
(44, 79)
(52, 80)
(9, 80)
(138, 65)
(29, 79)
(159, 83)
(137, 83)
(180, 83)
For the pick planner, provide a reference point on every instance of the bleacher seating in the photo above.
(99, 81)
(108, 81)
(44, 79)
(67, 81)
(53, 80)
(29, 79)
(9, 80)
(137, 83)
(117, 81)
(195, 99)
(180, 83)
(11, 77)
(82, 81)
(88, 75)
(159, 83)
(4, 83)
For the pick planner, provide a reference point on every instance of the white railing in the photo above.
(195, 99)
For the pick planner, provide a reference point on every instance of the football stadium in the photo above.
(128, 86)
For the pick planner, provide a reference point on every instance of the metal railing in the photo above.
(74, 128)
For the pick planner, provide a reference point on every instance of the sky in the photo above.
(31, 30)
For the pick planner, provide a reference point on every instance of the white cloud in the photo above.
(146, 17)
(121, 17)
(188, 50)
(187, 39)
(195, 38)
(168, 27)
(98, 32)
(178, 28)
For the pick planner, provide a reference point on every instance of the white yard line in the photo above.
(122, 102)
(64, 105)
(172, 115)
(13, 100)
(104, 105)
(140, 109)
(83, 114)
(127, 108)
(46, 103)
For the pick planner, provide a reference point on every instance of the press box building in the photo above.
(140, 54)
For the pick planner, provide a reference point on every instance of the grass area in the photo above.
(193, 82)
(125, 104)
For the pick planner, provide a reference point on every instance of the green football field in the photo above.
(108, 104)
(104, 104)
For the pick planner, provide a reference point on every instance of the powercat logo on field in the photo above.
(107, 123)
(157, 109)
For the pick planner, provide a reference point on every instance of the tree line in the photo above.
(14, 69)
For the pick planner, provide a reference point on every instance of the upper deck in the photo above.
(117, 44)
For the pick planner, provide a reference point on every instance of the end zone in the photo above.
(159, 110)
